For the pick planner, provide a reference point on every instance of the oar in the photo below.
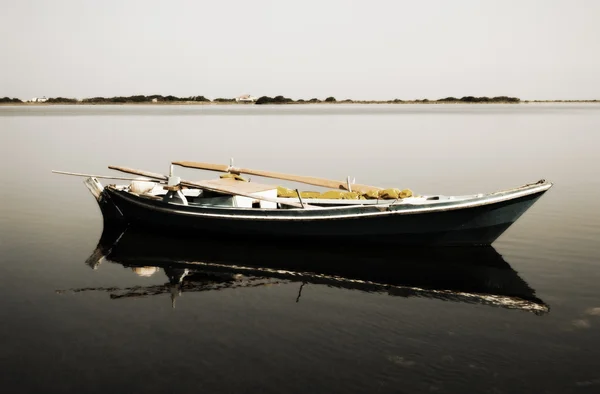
(133, 171)
(121, 178)
(207, 186)
(332, 184)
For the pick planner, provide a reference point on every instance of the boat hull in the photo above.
(471, 224)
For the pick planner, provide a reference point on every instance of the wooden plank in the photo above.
(328, 183)
(235, 191)
(206, 186)
(245, 187)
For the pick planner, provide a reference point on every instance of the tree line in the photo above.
(465, 99)
(134, 99)
(260, 100)
(471, 99)
(9, 100)
(285, 100)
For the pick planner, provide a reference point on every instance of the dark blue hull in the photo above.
(476, 224)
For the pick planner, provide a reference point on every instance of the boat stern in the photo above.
(111, 213)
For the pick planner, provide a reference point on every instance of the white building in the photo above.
(39, 100)
(246, 98)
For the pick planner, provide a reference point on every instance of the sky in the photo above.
(364, 50)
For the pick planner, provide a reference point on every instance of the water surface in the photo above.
(523, 316)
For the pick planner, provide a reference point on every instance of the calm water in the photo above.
(521, 317)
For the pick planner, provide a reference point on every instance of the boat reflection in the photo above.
(477, 275)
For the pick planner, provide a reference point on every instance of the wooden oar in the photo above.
(332, 184)
(147, 174)
(207, 186)
(121, 178)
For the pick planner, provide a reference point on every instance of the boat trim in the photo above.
(489, 199)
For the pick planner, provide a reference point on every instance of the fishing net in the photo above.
(340, 195)
(386, 194)
(308, 194)
(285, 192)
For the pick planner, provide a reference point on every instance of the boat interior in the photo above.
(231, 190)
(272, 196)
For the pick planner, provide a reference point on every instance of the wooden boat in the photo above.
(474, 275)
(226, 207)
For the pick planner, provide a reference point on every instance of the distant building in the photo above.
(39, 100)
(155, 100)
(246, 98)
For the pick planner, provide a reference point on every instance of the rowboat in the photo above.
(473, 275)
(233, 208)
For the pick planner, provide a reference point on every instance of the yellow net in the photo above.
(371, 194)
(405, 193)
(340, 195)
(389, 194)
(285, 192)
(386, 194)
(310, 194)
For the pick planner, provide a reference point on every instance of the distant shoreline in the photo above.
(212, 103)
(157, 99)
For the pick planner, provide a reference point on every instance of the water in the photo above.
(521, 317)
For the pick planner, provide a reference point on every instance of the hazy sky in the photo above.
(375, 49)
